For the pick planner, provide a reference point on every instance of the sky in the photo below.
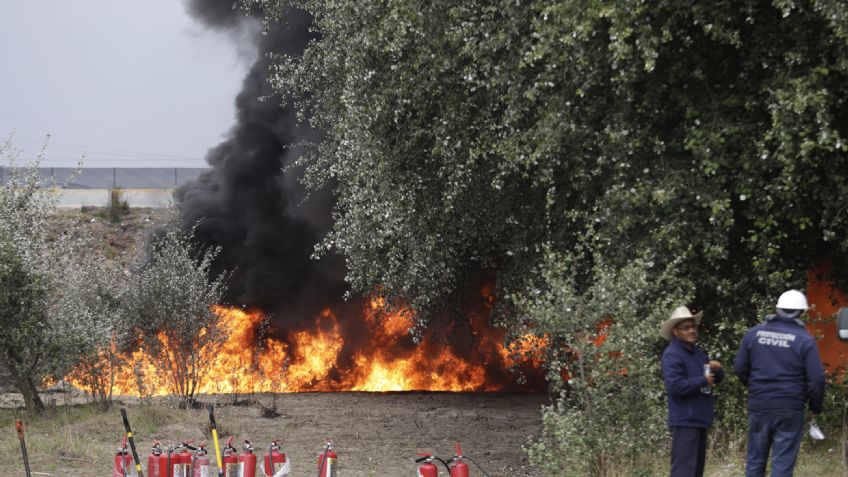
(114, 83)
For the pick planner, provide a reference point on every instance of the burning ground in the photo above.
(256, 360)
(375, 433)
(355, 346)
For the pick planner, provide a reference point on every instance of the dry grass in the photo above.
(376, 434)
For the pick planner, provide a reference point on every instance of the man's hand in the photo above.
(714, 365)
(710, 380)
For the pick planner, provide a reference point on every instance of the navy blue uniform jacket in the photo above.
(683, 371)
(779, 362)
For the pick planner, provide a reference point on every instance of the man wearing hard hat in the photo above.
(689, 377)
(779, 363)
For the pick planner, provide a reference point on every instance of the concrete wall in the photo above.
(141, 198)
(148, 198)
(76, 198)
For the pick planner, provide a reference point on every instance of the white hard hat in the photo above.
(792, 300)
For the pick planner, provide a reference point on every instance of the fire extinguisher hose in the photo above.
(19, 426)
(132, 442)
(422, 459)
(477, 465)
(323, 461)
(211, 408)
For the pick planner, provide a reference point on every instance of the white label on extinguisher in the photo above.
(241, 469)
(179, 470)
(331, 467)
(202, 471)
(282, 469)
(232, 470)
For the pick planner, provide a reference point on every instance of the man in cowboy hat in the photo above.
(689, 387)
(779, 363)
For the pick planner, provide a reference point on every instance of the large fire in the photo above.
(304, 361)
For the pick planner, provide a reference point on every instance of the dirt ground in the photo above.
(374, 434)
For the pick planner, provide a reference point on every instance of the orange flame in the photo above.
(310, 360)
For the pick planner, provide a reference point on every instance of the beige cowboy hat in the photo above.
(681, 313)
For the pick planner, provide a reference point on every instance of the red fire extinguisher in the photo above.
(327, 462)
(275, 463)
(165, 463)
(153, 460)
(247, 461)
(182, 462)
(426, 468)
(123, 463)
(457, 467)
(201, 463)
(230, 460)
(174, 462)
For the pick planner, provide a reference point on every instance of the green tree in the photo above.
(93, 296)
(707, 141)
(468, 136)
(41, 335)
(171, 298)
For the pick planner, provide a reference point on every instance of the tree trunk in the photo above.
(32, 400)
(24, 383)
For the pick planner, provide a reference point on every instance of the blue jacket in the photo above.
(683, 371)
(779, 362)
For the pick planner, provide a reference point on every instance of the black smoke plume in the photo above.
(246, 203)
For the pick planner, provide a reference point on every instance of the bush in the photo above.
(611, 409)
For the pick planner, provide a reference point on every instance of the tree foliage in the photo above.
(171, 299)
(93, 298)
(41, 333)
(563, 143)
(468, 136)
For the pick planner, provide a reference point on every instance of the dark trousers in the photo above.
(688, 451)
(779, 432)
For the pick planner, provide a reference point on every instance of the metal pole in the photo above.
(211, 408)
(19, 425)
(132, 442)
